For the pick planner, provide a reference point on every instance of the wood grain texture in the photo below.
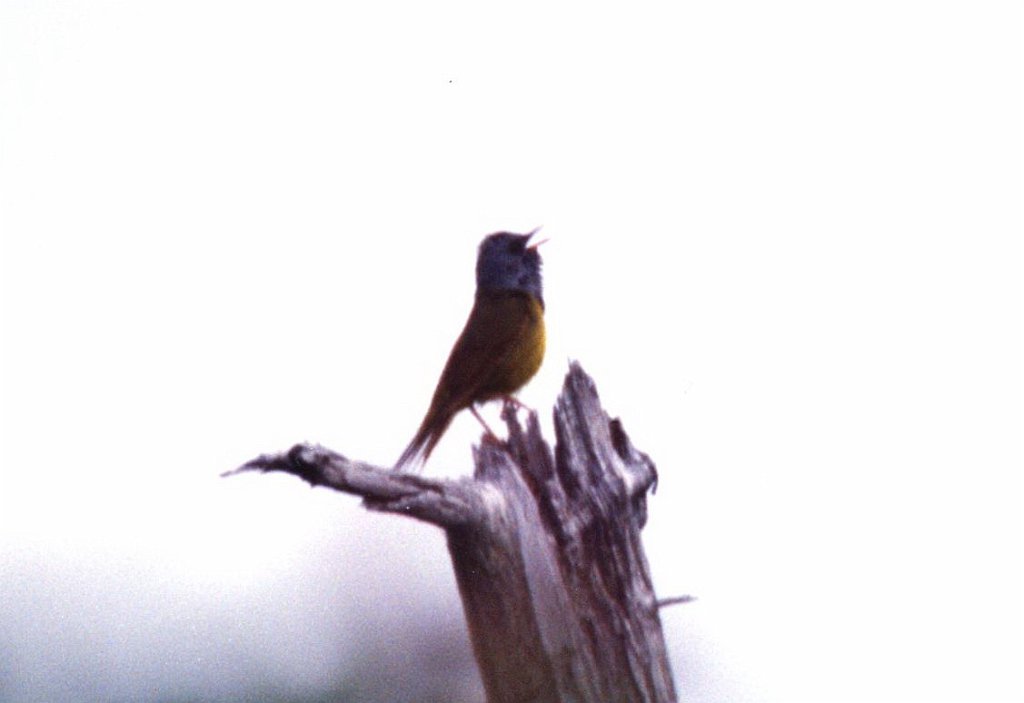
(546, 551)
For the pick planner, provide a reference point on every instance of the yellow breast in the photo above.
(508, 342)
(529, 353)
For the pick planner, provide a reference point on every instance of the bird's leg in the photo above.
(516, 403)
(487, 429)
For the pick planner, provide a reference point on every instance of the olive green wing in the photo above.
(497, 326)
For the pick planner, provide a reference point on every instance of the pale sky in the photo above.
(785, 242)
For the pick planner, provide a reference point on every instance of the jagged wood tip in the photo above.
(441, 502)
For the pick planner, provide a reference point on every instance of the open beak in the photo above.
(538, 243)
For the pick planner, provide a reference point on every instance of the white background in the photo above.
(785, 241)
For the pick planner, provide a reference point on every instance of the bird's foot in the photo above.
(515, 403)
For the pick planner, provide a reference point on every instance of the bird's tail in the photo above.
(427, 437)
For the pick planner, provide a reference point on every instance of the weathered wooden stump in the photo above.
(546, 550)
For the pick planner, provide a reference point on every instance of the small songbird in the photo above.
(502, 345)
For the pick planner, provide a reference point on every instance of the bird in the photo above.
(500, 348)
